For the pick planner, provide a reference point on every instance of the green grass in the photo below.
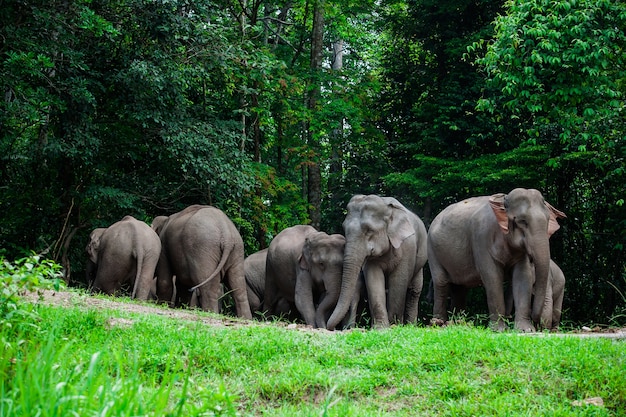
(83, 362)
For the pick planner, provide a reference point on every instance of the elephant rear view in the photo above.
(202, 248)
(254, 269)
(126, 251)
(280, 276)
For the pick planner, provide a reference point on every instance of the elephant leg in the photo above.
(413, 297)
(375, 283)
(165, 282)
(304, 297)
(548, 307)
(558, 289)
(522, 280)
(235, 280)
(208, 295)
(397, 288)
(145, 278)
(440, 282)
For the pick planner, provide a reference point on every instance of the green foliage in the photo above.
(30, 274)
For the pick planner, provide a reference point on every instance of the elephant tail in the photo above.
(137, 274)
(218, 269)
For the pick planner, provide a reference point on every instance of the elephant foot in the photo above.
(498, 326)
(524, 326)
(435, 322)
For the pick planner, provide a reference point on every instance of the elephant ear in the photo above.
(553, 225)
(496, 202)
(398, 227)
(94, 244)
(304, 255)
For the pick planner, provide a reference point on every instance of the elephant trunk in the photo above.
(541, 259)
(353, 261)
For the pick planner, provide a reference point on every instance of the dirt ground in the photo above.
(68, 298)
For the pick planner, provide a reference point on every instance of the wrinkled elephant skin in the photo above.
(553, 303)
(126, 251)
(479, 240)
(202, 248)
(387, 242)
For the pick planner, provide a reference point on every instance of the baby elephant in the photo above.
(126, 251)
(303, 269)
(318, 278)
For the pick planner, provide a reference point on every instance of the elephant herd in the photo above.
(195, 256)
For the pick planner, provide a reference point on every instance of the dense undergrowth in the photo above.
(83, 361)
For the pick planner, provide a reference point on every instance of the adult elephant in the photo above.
(553, 302)
(477, 241)
(202, 248)
(280, 271)
(388, 242)
(126, 251)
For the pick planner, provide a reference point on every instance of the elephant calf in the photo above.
(303, 270)
(126, 251)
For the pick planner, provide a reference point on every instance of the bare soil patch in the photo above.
(69, 298)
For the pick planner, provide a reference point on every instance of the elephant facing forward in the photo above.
(202, 248)
(553, 303)
(479, 240)
(388, 243)
(126, 251)
(318, 277)
(303, 269)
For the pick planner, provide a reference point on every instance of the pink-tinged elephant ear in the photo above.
(399, 226)
(553, 225)
(496, 202)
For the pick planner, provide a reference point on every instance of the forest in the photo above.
(277, 113)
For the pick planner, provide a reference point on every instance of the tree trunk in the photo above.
(314, 179)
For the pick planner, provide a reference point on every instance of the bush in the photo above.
(30, 274)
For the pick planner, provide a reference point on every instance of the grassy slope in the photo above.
(74, 360)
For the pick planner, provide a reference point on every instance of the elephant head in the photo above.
(528, 221)
(158, 223)
(374, 226)
(93, 246)
(319, 276)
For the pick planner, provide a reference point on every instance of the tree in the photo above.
(558, 70)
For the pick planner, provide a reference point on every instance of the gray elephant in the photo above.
(318, 277)
(479, 240)
(304, 269)
(553, 303)
(126, 251)
(254, 270)
(388, 242)
(280, 272)
(202, 248)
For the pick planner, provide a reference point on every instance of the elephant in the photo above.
(388, 243)
(481, 240)
(126, 251)
(280, 270)
(304, 270)
(318, 278)
(553, 303)
(254, 270)
(202, 248)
